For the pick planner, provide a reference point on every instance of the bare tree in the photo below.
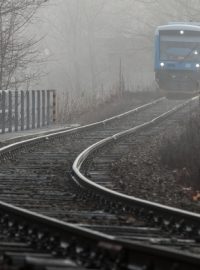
(92, 12)
(158, 12)
(18, 50)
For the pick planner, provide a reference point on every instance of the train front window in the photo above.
(180, 48)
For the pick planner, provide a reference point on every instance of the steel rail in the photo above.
(86, 246)
(157, 213)
(40, 139)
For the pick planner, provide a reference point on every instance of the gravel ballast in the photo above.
(141, 173)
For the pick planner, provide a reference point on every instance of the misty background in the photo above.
(86, 40)
(91, 48)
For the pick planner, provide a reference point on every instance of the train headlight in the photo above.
(197, 65)
(162, 64)
(181, 32)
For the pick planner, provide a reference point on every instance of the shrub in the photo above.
(181, 152)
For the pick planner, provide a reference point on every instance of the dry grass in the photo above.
(181, 152)
(71, 106)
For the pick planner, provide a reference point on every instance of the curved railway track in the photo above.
(36, 175)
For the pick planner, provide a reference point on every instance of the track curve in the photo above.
(36, 174)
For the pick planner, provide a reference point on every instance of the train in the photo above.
(177, 58)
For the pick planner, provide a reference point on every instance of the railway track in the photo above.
(36, 175)
(93, 167)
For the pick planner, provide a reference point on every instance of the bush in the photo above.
(181, 152)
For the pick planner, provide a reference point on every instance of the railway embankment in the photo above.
(162, 164)
(179, 152)
(37, 175)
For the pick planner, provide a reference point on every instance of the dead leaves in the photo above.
(183, 177)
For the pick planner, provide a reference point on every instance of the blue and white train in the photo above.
(177, 57)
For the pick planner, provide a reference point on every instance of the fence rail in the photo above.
(24, 110)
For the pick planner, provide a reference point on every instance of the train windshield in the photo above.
(180, 48)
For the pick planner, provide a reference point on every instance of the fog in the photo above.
(88, 43)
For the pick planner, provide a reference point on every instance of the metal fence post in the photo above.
(33, 109)
(48, 107)
(43, 107)
(27, 110)
(22, 110)
(16, 110)
(10, 111)
(3, 111)
(54, 106)
(38, 108)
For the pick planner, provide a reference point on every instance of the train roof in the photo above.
(190, 26)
